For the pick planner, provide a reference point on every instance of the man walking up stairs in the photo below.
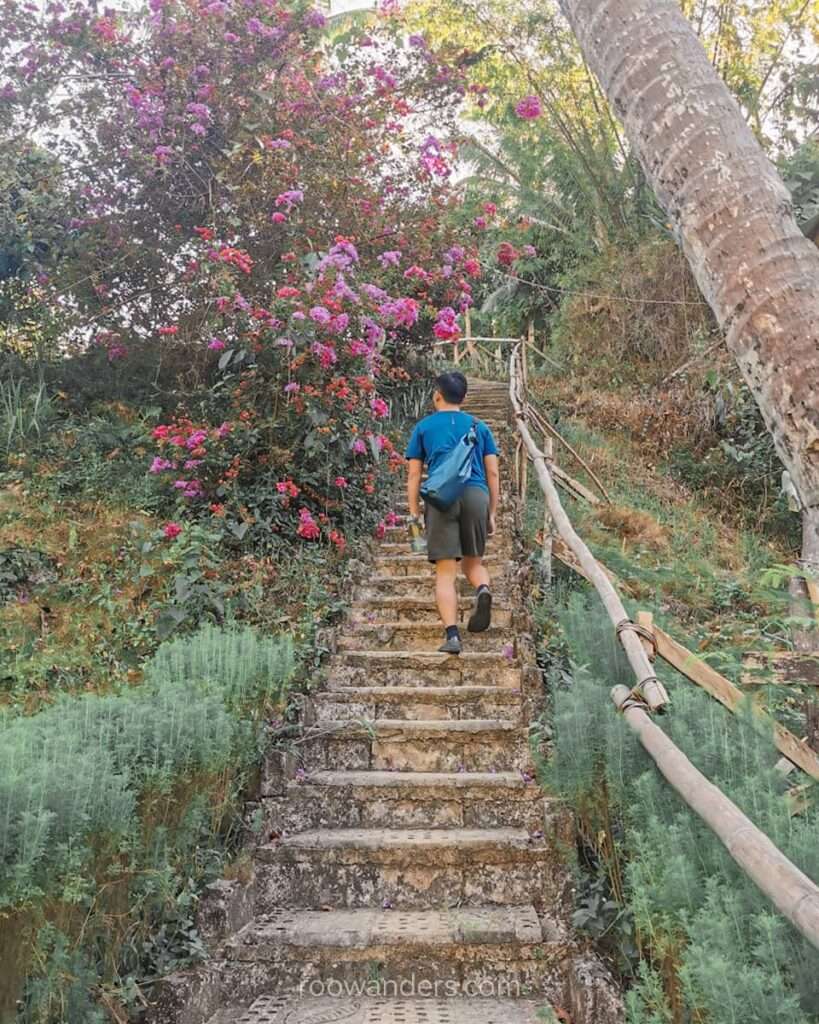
(416, 874)
(459, 532)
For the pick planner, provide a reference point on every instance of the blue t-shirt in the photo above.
(435, 436)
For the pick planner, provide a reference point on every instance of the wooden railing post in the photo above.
(548, 522)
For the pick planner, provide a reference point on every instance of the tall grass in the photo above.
(24, 411)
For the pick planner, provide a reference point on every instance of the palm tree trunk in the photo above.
(730, 210)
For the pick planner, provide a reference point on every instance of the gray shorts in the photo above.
(461, 530)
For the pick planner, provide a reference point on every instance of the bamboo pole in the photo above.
(548, 524)
(651, 688)
(543, 355)
(470, 344)
(790, 890)
(545, 425)
(732, 697)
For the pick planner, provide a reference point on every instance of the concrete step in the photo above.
(399, 532)
(377, 799)
(494, 546)
(377, 1009)
(419, 636)
(420, 586)
(418, 702)
(421, 611)
(411, 565)
(505, 947)
(407, 868)
(427, 745)
(422, 668)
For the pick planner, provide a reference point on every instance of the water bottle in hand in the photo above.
(418, 542)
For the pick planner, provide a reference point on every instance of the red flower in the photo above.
(507, 254)
(172, 530)
(167, 331)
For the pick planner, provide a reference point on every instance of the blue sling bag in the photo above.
(448, 481)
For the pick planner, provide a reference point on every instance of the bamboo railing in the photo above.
(791, 891)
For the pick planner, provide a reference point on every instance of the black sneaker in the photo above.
(481, 618)
(451, 646)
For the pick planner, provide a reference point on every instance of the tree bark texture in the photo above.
(729, 208)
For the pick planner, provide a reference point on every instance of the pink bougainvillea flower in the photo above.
(278, 217)
(480, 223)
(290, 198)
(507, 254)
(380, 408)
(342, 482)
(308, 528)
(391, 258)
(529, 108)
(292, 388)
(171, 530)
(490, 209)
(472, 267)
(446, 325)
(216, 344)
(315, 19)
(337, 538)
(287, 292)
(159, 465)
(167, 332)
(320, 315)
(402, 312)
(357, 347)
(380, 530)
(359, 447)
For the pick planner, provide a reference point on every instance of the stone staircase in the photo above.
(414, 873)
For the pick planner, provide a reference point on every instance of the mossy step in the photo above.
(358, 801)
(424, 745)
(417, 702)
(361, 1009)
(388, 560)
(421, 611)
(419, 636)
(418, 587)
(407, 868)
(378, 799)
(506, 947)
(423, 668)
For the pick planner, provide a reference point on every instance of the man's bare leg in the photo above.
(446, 597)
(477, 574)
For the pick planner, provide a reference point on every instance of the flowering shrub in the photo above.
(268, 211)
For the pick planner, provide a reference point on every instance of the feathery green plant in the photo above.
(128, 786)
(709, 936)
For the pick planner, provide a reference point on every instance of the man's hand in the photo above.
(492, 525)
(414, 469)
